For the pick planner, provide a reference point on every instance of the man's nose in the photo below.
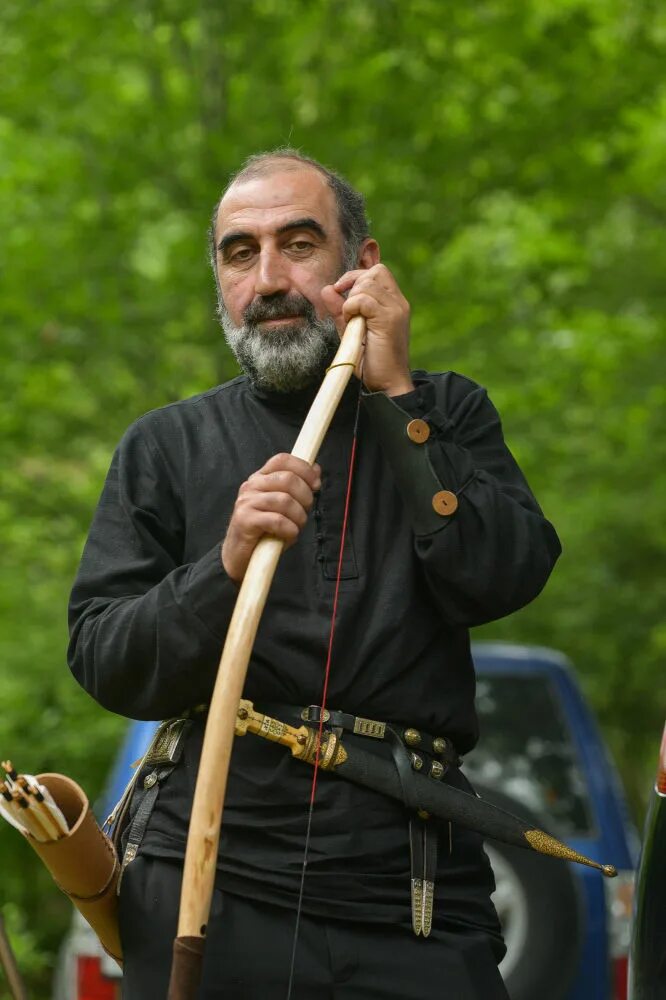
(271, 274)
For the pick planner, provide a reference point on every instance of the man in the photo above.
(444, 534)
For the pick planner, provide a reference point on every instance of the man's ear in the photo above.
(368, 254)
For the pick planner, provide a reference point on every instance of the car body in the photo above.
(647, 962)
(541, 751)
(540, 755)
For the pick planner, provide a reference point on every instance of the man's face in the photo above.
(278, 243)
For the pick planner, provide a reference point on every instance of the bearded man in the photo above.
(444, 534)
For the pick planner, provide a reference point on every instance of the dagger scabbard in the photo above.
(434, 797)
(208, 802)
(460, 807)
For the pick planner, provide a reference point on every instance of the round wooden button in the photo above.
(418, 431)
(445, 503)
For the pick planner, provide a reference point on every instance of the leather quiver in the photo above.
(83, 863)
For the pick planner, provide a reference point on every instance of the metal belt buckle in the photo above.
(368, 727)
(313, 713)
(166, 742)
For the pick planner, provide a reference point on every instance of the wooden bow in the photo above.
(207, 806)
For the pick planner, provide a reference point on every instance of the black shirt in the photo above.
(151, 603)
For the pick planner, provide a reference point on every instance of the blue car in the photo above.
(541, 756)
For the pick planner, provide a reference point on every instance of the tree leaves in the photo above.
(513, 158)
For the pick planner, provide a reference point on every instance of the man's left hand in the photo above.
(374, 294)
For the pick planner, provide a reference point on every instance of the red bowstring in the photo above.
(327, 673)
(329, 657)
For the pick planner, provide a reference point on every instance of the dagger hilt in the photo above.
(303, 741)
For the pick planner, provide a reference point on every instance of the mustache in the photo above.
(280, 305)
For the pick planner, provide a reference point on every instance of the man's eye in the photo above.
(300, 246)
(241, 255)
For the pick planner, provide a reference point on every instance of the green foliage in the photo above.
(514, 159)
(23, 939)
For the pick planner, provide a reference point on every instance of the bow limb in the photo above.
(208, 802)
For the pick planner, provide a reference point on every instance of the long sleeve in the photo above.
(146, 631)
(494, 551)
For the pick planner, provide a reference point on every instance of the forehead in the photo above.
(270, 200)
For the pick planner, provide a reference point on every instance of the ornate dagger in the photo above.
(434, 797)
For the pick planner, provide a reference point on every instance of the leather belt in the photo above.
(424, 746)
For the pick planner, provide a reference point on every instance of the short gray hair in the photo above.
(354, 223)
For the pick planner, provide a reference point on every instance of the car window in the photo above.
(525, 751)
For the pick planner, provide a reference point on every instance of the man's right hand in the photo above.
(273, 501)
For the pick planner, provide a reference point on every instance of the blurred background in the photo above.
(513, 156)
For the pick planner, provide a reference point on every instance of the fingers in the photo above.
(284, 505)
(285, 526)
(376, 280)
(364, 304)
(344, 283)
(275, 501)
(284, 463)
(374, 294)
(284, 487)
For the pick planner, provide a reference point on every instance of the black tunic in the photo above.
(151, 604)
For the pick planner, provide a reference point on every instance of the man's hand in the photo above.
(273, 501)
(374, 294)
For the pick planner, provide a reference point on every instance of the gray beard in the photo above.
(286, 359)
